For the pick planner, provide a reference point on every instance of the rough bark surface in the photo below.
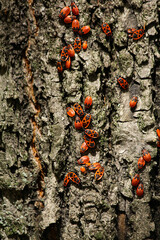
(38, 142)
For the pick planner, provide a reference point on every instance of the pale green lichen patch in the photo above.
(120, 38)
(124, 61)
(99, 235)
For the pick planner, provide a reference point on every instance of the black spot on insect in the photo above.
(92, 144)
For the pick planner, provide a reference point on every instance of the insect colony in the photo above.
(82, 121)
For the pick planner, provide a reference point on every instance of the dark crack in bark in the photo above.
(35, 105)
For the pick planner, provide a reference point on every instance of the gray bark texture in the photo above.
(39, 144)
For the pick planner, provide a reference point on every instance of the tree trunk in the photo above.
(39, 144)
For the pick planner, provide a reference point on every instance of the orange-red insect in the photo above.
(66, 180)
(86, 120)
(146, 155)
(83, 160)
(78, 123)
(83, 170)
(84, 30)
(94, 166)
(64, 54)
(99, 173)
(68, 63)
(70, 112)
(158, 143)
(74, 177)
(123, 83)
(138, 34)
(75, 25)
(77, 44)
(141, 163)
(87, 165)
(135, 180)
(89, 141)
(130, 31)
(88, 102)
(69, 19)
(64, 12)
(78, 109)
(84, 46)
(83, 148)
(133, 102)
(59, 66)
(106, 29)
(140, 190)
(91, 133)
(71, 51)
(75, 9)
(158, 133)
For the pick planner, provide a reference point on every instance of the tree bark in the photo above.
(38, 142)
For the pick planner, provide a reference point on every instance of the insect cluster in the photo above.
(84, 160)
(146, 155)
(83, 121)
(124, 84)
(136, 179)
(133, 33)
(68, 52)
